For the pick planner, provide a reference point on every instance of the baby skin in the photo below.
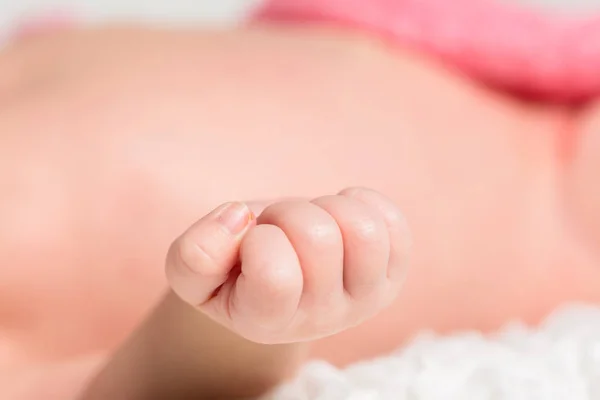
(300, 271)
(113, 141)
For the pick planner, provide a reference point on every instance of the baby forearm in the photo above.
(179, 353)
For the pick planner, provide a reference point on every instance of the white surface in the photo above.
(563, 6)
(194, 11)
(180, 11)
(560, 361)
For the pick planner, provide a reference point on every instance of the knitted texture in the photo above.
(547, 56)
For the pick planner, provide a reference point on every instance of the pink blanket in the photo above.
(548, 56)
(542, 55)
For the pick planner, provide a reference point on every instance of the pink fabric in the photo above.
(548, 56)
(42, 23)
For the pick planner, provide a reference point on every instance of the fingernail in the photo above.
(235, 217)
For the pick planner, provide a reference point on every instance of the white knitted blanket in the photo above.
(560, 360)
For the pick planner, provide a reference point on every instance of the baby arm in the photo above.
(262, 290)
(179, 353)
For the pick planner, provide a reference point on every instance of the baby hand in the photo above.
(300, 271)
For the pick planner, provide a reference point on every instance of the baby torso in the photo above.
(499, 193)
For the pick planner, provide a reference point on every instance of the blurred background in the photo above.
(194, 11)
(208, 12)
(169, 11)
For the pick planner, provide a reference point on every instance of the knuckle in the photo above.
(367, 231)
(377, 201)
(300, 220)
(396, 221)
(320, 234)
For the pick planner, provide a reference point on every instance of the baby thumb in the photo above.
(200, 260)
